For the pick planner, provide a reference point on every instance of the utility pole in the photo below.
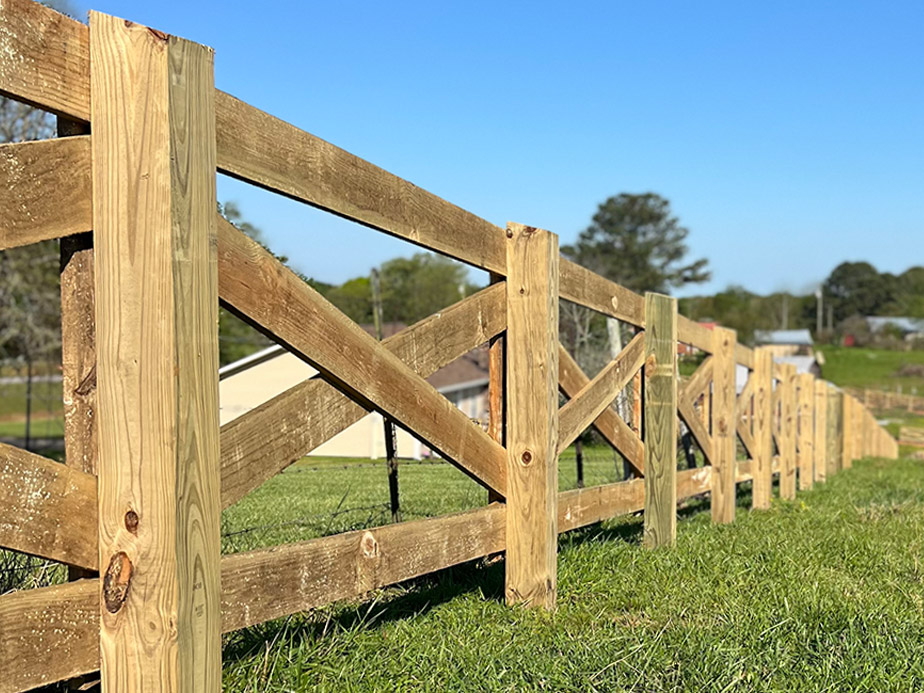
(819, 312)
(391, 454)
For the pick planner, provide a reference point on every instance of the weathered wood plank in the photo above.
(44, 59)
(787, 389)
(267, 293)
(44, 189)
(694, 334)
(585, 506)
(571, 379)
(806, 430)
(532, 417)
(763, 428)
(585, 407)
(698, 382)
(48, 635)
(47, 509)
(157, 316)
(270, 583)
(580, 285)
(313, 412)
(660, 412)
(724, 426)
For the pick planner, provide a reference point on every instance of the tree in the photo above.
(857, 288)
(425, 283)
(636, 241)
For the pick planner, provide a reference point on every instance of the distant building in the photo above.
(909, 328)
(251, 381)
(786, 342)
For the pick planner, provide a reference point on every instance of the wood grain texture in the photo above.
(47, 509)
(44, 59)
(805, 442)
(744, 355)
(660, 414)
(270, 295)
(580, 285)
(497, 359)
(697, 383)
(724, 426)
(78, 332)
(571, 379)
(263, 442)
(694, 334)
(585, 506)
(44, 190)
(532, 417)
(157, 341)
(787, 431)
(585, 407)
(763, 429)
(48, 634)
(269, 583)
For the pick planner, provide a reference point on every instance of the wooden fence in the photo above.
(146, 259)
(883, 400)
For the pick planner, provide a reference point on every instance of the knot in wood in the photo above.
(369, 545)
(131, 521)
(117, 582)
(526, 458)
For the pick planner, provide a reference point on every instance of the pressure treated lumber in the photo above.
(48, 634)
(697, 383)
(692, 333)
(531, 567)
(571, 379)
(44, 190)
(806, 430)
(763, 428)
(157, 340)
(47, 509)
(270, 295)
(744, 355)
(724, 426)
(313, 412)
(660, 412)
(270, 583)
(585, 407)
(788, 431)
(695, 422)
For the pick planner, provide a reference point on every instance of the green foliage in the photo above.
(820, 594)
(857, 288)
(873, 368)
(636, 241)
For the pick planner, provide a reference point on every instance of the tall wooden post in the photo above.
(806, 428)
(847, 432)
(788, 431)
(532, 416)
(763, 428)
(821, 426)
(724, 425)
(660, 420)
(157, 343)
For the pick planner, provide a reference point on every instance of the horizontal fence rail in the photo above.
(146, 260)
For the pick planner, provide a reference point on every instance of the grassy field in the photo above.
(873, 368)
(822, 594)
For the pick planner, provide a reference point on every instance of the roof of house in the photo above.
(466, 371)
(797, 337)
(906, 325)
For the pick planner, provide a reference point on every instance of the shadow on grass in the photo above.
(422, 594)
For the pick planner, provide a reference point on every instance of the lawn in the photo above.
(823, 593)
(873, 368)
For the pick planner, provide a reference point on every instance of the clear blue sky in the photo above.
(788, 136)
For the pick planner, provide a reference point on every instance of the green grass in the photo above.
(825, 593)
(873, 368)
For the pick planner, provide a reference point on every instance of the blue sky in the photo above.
(789, 136)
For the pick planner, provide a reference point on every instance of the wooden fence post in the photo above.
(724, 425)
(788, 431)
(821, 428)
(660, 420)
(763, 427)
(847, 432)
(157, 344)
(532, 416)
(806, 440)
